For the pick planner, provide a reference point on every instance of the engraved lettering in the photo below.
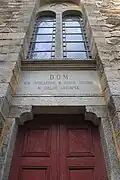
(26, 82)
(58, 82)
(44, 82)
(51, 77)
(70, 87)
(39, 87)
(58, 77)
(65, 76)
(50, 87)
(69, 82)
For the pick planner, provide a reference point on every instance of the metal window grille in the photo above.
(75, 44)
(42, 44)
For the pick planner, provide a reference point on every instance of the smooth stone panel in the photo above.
(59, 83)
(63, 101)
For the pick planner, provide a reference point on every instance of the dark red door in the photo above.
(35, 153)
(80, 153)
(58, 148)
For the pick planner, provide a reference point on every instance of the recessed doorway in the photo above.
(58, 147)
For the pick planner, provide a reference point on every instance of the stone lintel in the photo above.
(25, 113)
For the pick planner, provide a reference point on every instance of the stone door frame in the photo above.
(97, 114)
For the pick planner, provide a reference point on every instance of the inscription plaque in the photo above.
(59, 83)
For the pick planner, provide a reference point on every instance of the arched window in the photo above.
(75, 44)
(52, 29)
(42, 44)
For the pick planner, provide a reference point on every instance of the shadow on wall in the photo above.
(43, 2)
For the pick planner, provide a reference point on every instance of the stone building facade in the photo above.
(97, 95)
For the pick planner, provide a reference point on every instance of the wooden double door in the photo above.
(58, 148)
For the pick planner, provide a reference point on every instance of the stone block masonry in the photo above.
(104, 20)
(15, 24)
(15, 17)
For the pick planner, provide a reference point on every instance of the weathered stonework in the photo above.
(102, 23)
(106, 20)
(15, 17)
(14, 22)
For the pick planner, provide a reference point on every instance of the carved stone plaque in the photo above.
(59, 83)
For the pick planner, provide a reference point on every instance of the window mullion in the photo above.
(58, 37)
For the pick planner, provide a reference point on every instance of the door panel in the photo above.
(58, 148)
(37, 142)
(35, 153)
(34, 174)
(79, 142)
(80, 154)
(81, 174)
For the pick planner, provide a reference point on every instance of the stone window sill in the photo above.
(58, 64)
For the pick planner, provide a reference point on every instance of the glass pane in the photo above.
(75, 46)
(43, 38)
(45, 24)
(53, 48)
(64, 48)
(53, 53)
(72, 18)
(41, 55)
(42, 47)
(46, 18)
(44, 30)
(64, 53)
(74, 38)
(73, 30)
(73, 23)
(77, 55)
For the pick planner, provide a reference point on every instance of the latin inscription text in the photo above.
(57, 82)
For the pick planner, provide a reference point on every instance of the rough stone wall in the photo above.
(14, 20)
(15, 17)
(104, 20)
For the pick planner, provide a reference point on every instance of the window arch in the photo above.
(59, 35)
(42, 44)
(75, 44)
